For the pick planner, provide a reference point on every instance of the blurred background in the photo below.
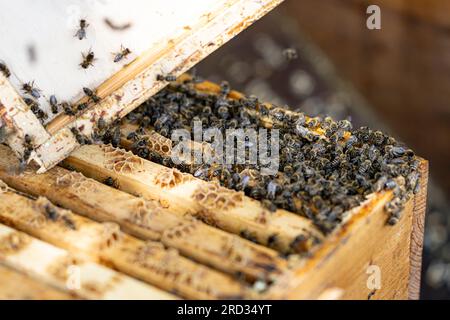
(396, 79)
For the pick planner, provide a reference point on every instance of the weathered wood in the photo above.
(54, 266)
(19, 119)
(186, 195)
(145, 219)
(344, 259)
(17, 286)
(104, 242)
(417, 234)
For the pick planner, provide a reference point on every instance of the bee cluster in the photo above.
(325, 169)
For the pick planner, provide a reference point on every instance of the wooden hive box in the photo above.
(168, 254)
(109, 224)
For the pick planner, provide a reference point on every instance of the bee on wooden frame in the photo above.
(29, 88)
(92, 95)
(54, 104)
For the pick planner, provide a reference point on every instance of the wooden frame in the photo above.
(340, 265)
(131, 86)
(19, 251)
(103, 242)
(144, 219)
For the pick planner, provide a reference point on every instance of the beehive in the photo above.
(147, 225)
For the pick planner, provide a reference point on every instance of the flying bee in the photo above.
(31, 90)
(290, 54)
(88, 59)
(5, 70)
(92, 95)
(54, 104)
(81, 33)
(124, 52)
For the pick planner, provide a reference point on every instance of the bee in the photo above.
(272, 240)
(115, 139)
(132, 136)
(54, 104)
(88, 59)
(101, 123)
(82, 140)
(5, 70)
(82, 106)
(124, 52)
(224, 88)
(27, 139)
(69, 223)
(33, 104)
(34, 107)
(290, 54)
(111, 182)
(169, 78)
(81, 33)
(92, 95)
(67, 108)
(31, 90)
(51, 213)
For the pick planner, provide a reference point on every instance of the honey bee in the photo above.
(168, 78)
(81, 33)
(124, 52)
(5, 70)
(54, 104)
(88, 59)
(31, 90)
(92, 95)
(67, 108)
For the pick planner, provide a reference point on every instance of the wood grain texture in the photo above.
(223, 208)
(104, 243)
(343, 261)
(147, 220)
(417, 234)
(52, 265)
(17, 286)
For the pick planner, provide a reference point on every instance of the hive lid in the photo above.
(40, 43)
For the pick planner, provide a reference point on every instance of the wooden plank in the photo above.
(17, 286)
(54, 266)
(417, 234)
(145, 219)
(185, 195)
(103, 242)
(349, 257)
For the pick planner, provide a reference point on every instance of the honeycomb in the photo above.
(121, 161)
(213, 196)
(159, 144)
(169, 179)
